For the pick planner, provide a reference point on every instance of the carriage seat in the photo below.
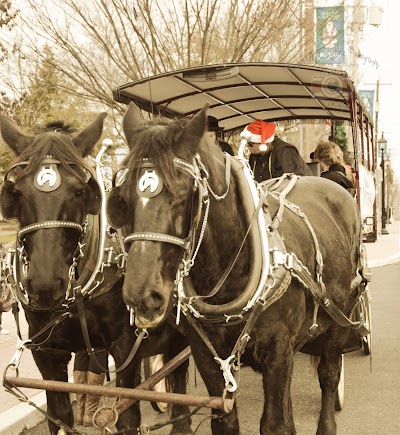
(315, 168)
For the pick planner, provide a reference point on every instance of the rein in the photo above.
(140, 333)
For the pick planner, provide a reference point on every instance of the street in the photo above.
(372, 385)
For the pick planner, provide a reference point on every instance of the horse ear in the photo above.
(87, 138)
(132, 118)
(117, 209)
(195, 129)
(12, 135)
(93, 198)
(9, 200)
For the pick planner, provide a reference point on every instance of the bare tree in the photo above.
(101, 44)
(7, 22)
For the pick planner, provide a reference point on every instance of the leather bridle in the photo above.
(21, 261)
(190, 244)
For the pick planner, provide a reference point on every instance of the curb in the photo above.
(24, 416)
(384, 261)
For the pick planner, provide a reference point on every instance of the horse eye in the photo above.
(79, 193)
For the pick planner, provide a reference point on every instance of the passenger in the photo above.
(271, 157)
(214, 135)
(333, 166)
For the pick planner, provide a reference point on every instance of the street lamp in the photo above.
(382, 142)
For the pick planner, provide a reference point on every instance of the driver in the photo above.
(271, 157)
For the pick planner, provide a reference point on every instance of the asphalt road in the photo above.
(372, 384)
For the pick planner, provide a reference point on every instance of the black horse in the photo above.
(197, 223)
(54, 194)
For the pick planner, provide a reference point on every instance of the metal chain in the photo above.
(206, 202)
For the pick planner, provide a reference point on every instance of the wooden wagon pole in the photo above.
(155, 378)
(130, 395)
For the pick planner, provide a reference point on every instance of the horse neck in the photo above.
(223, 237)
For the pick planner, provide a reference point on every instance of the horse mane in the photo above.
(54, 140)
(160, 141)
(58, 126)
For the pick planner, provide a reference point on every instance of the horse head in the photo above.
(50, 191)
(158, 204)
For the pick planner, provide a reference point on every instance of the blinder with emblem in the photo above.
(47, 178)
(150, 184)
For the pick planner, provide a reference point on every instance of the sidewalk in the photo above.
(16, 416)
(386, 250)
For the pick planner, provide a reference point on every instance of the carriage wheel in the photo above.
(151, 365)
(339, 399)
(367, 342)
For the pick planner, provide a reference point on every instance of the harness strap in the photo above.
(318, 256)
(300, 272)
(158, 237)
(259, 307)
(270, 187)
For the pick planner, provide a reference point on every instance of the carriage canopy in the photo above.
(239, 93)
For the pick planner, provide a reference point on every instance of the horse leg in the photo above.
(329, 374)
(221, 423)
(179, 381)
(54, 367)
(127, 378)
(277, 418)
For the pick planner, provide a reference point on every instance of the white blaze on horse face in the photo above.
(179, 224)
(144, 201)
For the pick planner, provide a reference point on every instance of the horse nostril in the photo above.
(153, 299)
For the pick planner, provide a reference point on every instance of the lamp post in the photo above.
(382, 142)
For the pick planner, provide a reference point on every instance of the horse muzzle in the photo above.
(46, 294)
(149, 306)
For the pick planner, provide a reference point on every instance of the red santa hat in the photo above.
(259, 132)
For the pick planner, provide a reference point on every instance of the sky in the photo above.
(379, 46)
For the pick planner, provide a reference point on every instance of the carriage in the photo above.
(238, 94)
(287, 94)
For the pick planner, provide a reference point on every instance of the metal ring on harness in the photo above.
(105, 418)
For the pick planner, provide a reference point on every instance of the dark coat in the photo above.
(285, 158)
(225, 147)
(337, 173)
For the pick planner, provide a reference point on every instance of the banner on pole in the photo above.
(367, 97)
(329, 35)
